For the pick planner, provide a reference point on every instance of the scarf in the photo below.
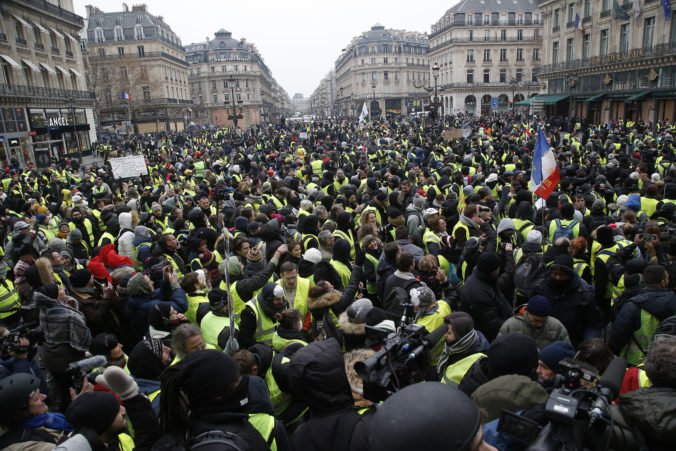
(468, 222)
(48, 420)
(456, 351)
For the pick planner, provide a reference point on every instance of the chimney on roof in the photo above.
(125, 7)
(140, 7)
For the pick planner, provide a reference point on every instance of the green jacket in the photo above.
(553, 330)
(512, 392)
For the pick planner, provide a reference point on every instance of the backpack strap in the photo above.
(342, 437)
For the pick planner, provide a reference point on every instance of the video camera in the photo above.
(10, 342)
(579, 417)
(402, 361)
(77, 371)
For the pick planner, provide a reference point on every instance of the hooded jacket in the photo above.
(141, 304)
(317, 376)
(125, 242)
(652, 411)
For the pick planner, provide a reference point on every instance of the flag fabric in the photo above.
(364, 113)
(125, 96)
(666, 7)
(620, 13)
(544, 175)
(467, 129)
(578, 23)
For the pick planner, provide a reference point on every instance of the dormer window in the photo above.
(138, 32)
(118, 33)
(98, 35)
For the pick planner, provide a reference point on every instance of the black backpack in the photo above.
(395, 299)
(528, 273)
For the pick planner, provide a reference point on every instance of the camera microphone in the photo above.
(610, 385)
(86, 365)
(429, 341)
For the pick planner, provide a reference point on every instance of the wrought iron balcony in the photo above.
(40, 92)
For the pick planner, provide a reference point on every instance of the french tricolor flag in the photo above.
(578, 23)
(544, 175)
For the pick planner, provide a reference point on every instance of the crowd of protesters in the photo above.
(230, 291)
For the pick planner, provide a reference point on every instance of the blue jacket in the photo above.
(142, 305)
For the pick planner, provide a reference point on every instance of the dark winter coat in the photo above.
(482, 299)
(476, 376)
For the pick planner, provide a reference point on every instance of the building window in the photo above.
(471, 35)
(146, 93)
(138, 32)
(605, 8)
(587, 9)
(487, 55)
(586, 42)
(648, 30)
(503, 35)
(569, 49)
(555, 52)
(120, 52)
(503, 55)
(101, 52)
(487, 35)
(519, 35)
(487, 75)
(470, 56)
(386, 76)
(98, 35)
(557, 18)
(536, 54)
(603, 50)
(470, 75)
(385, 60)
(624, 36)
(519, 74)
(503, 75)
(213, 85)
(571, 12)
(118, 33)
(123, 72)
(141, 51)
(519, 54)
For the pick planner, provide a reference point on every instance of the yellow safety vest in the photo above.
(345, 236)
(9, 299)
(343, 271)
(433, 320)
(302, 293)
(265, 327)
(455, 372)
(194, 300)
(211, 327)
(265, 425)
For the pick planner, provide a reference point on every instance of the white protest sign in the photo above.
(127, 167)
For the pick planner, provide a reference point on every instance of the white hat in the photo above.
(622, 200)
(634, 176)
(492, 178)
(386, 325)
(655, 178)
(534, 236)
(278, 292)
(312, 255)
(430, 212)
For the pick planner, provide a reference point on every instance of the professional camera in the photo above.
(402, 361)
(10, 342)
(579, 417)
(77, 371)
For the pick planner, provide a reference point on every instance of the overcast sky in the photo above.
(298, 39)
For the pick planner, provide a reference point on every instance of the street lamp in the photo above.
(572, 82)
(435, 104)
(514, 83)
(234, 116)
(374, 104)
(71, 108)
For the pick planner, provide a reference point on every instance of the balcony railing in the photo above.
(605, 13)
(69, 53)
(556, 29)
(3, 37)
(56, 51)
(629, 55)
(526, 85)
(44, 93)
(51, 8)
(134, 56)
(21, 41)
(463, 40)
(39, 46)
(493, 23)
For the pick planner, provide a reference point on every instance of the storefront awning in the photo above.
(40, 27)
(77, 74)
(31, 64)
(620, 95)
(549, 99)
(23, 21)
(11, 62)
(56, 32)
(663, 94)
(594, 98)
(524, 102)
(47, 68)
(636, 96)
(62, 70)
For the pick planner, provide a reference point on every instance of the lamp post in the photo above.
(514, 83)
(71, 108)
(374, 103)
(435, 104)
(234, 116)
(572, 82)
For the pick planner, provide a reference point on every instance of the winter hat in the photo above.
(492, 178)
(94, 410)
(56, 245)
(422, 296)
(512, 354)
(419, 201)
(534, 236)
(145, 360)
(232, 265)
(430, 212)
(313, 255)
(622, 200)
(103, 343)
(21, 225)
(75, 234)
(341, 250)
(142, 232)
(120, 382)
(138, 285)
(539, 306)
(358, 310)
(206, 257)
(461, 322)
(634, 202)
(506, 224)
(488, 262)
(564, 261)
(80, 278)
(217, 298)
(553, 353)
(40, 218)
(254, 255)
(156, 207)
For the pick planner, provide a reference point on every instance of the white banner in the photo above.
(128, 167)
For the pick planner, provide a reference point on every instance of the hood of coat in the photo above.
(325, 300)
(350, 328)
(652, 411)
